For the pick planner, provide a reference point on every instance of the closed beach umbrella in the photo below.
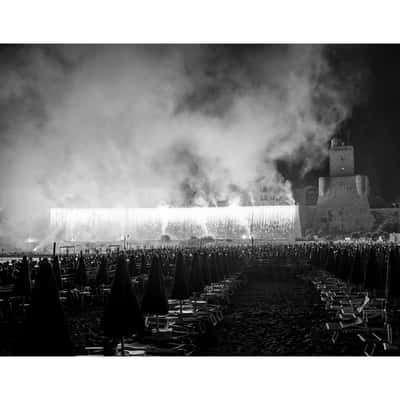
(372, 275)
(220, 267)
(322, 253)
(45, 331)
(57, 272)
(344, 266)
(23, 284)
(102, 272)
(164, 265)
(314, 258)
(196, 276)
(122, 315)
(330, 261)
(155, 297)
(180, 289)
(226, 264)
(232, 262)
(205, 268)
(143, 264)
(213, 268)
(338, 256)
(81, 276)
(394, 274)
(132, 265)
(357, 271)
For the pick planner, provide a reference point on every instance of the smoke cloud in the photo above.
(126, 126)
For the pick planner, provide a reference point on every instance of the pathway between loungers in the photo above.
(274, 315)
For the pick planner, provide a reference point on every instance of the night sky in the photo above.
(374, 126)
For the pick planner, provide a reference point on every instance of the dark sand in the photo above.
(276, 314)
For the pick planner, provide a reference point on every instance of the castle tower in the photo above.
(341, 159)
(342, 205)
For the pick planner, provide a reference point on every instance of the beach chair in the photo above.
(158, 324)
(354, 326)
(377, 341)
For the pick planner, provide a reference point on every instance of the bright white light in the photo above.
(234, 202)
(106, 224)
(244, 237)
(31, 240)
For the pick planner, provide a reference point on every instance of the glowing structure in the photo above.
(145, 224)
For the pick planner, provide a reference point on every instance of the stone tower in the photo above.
(341, 159)
(342, 205)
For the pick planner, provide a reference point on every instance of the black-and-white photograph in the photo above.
(183, 213)
(199, 200)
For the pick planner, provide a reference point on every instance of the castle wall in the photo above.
(343, 205)
(386, 218)
(306, 217)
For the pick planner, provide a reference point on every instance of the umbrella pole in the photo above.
(157, 324)
(122, 346)
(23, 306)
(387, 285)
(387, 280)
(180, 306)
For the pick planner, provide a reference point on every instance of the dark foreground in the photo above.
(302, 300)
(275, 314)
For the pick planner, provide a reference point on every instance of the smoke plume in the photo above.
(126, 126)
